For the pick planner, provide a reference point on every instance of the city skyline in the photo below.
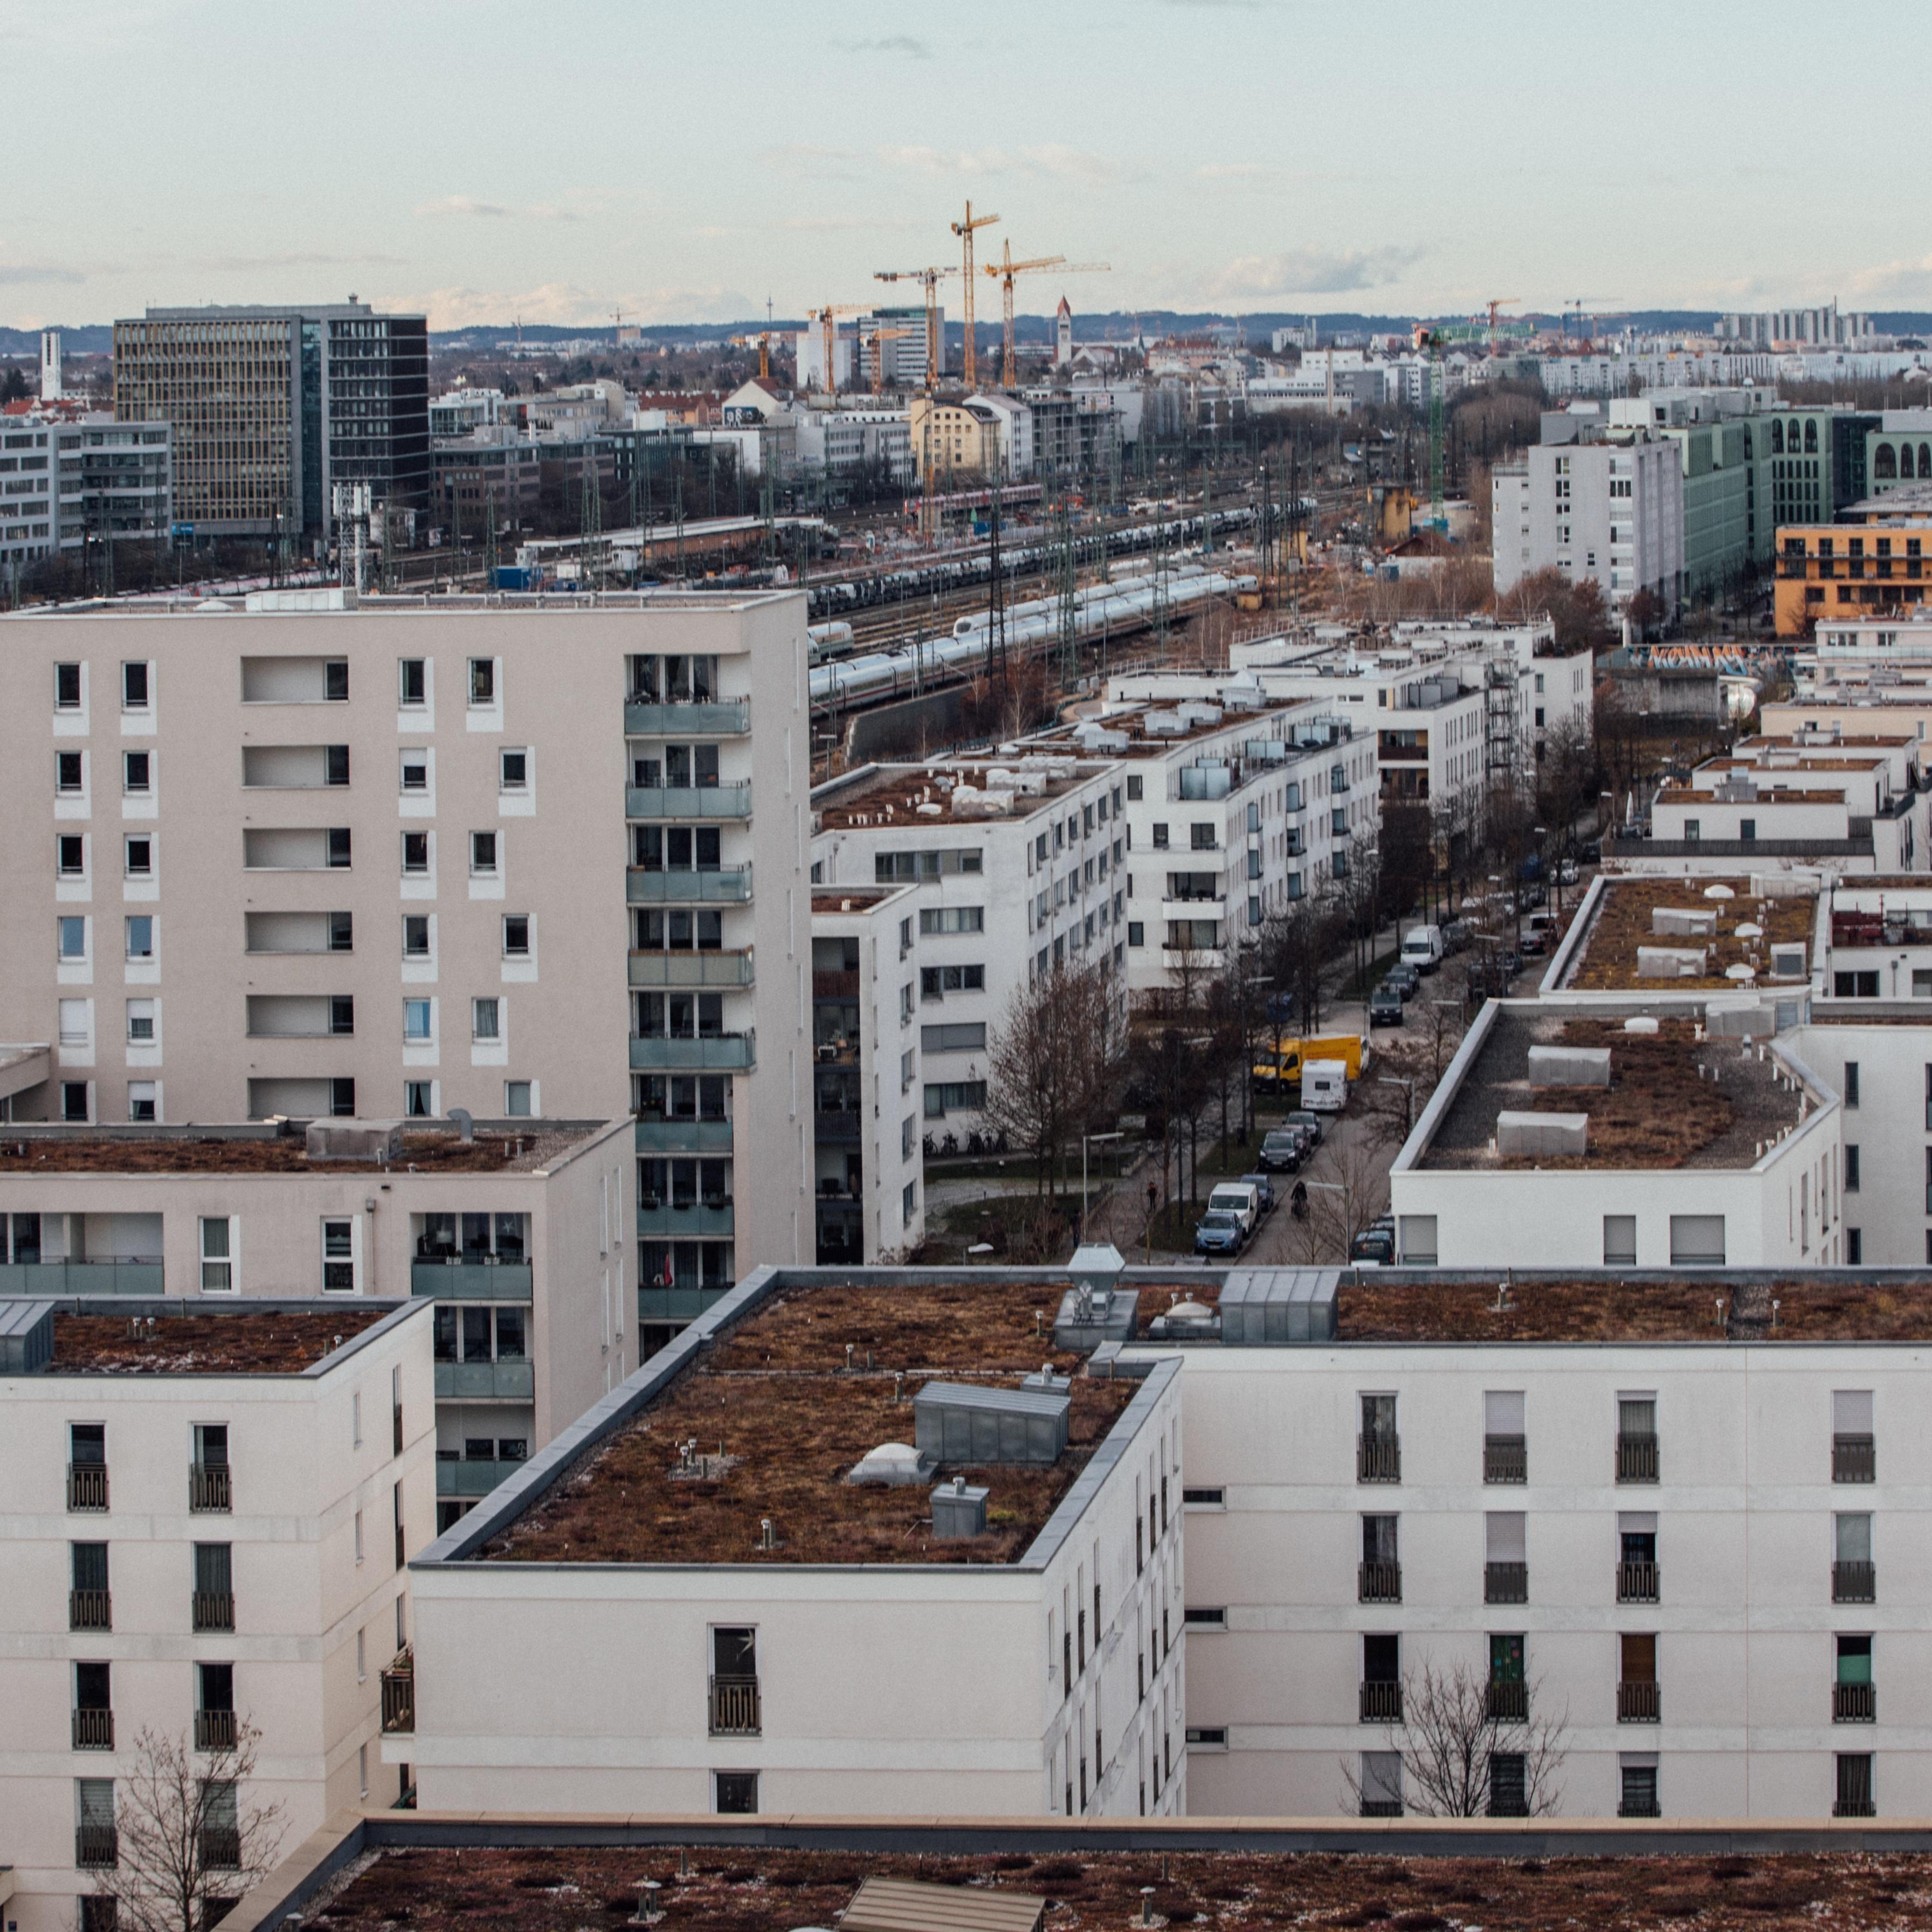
(466, 179)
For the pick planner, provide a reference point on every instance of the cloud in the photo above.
(462, 204)
(1311, 271)
(1236, 171)
(1051, 160)
(1901, 280)
(249, 264)
(908, 45)
(567, 304)
(27, 274)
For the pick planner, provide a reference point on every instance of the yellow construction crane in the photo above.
(828, 319)
(1003, 271)
(964, 230)
(880, 337)
(935, 333)
(1498, 302)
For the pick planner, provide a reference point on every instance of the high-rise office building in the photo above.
(272, 406)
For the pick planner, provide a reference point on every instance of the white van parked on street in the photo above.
(1422, 949)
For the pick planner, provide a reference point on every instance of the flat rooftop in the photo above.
(264, 1149)
(1662, 1108)
(1622, 923)
(779, 1419)
(892, 795)
(245, 1341)
(747, 1887)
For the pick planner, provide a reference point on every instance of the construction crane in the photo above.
(964, 230)
(1003, 272)
(827, 318)
(880, 336)
(935, 338)
(1591, 305)
(1493, 304)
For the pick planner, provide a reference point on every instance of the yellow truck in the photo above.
(1275, 1074)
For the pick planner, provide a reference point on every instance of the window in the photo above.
(417, 1022)
(338, 1257)
(734, 1793)
(138, 855)
(1418, 1239)
(72, 932)
(416, 853)
(952, 918)
(76, 1025)
(936, 981)
(482, 680)
(137, 771)
(483, 853)
(70, 855)
(1855, 1796)
(69, 773)
(1854, 1458)
(1505, 1437)
(485, 1019)
(1160, 837)
(1854, 986)
(1696, 1241)
(67, 687)
(217, 1254)
(1134, 785)
(75, 1107)
(339, 846)
(889, 866)
(412, 681)
(513, 771)
(140, 1022)
(946, 1097)
(415, 771)
(1620, 1241)
(517, 1101)
(516, 935)
(143, 1100)
(1136, 933)
(1636, 1795)
(416, 936)
(419, 1099)
(960, 1038)
(1852, 1168)
(1381, 1784)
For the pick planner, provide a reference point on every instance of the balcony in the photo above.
(692, 969)
(1636, 1582)
(1378, 1458)
(215, 1730)
(711, 1220)
(718, 801)
(1505, 1459)
(1636, 1459)
(1639, 1808)
(1378, 1583)
(735, 1711)
(209, 1490)
(1854, 1458)
(725, 1053)
(220, 1848)
(214, 1609)
(81, 1277)
(710, 718)
(471, 1479)
(96, 1847)
(1507, 1703)
(470, 1280)
(836, 1125)
(93, 1730)
(399, 1693)
(1380, 1703)
(1855, 1703)
(1505, 1583)
(1854, 1583)
(486, 1382)
(87, 1485)
(730, 885)
(90, 1610)
(656, 1135)
(1639, 1703)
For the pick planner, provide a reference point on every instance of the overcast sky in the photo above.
(561, 160)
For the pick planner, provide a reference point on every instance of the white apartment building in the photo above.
(963, 1599)
(70, 476)
(523, 1238)
(1020, 865)
(207, 1524)
(845, 442)
(1675, 1514)
(304, 858)
(1610, 511)
(869, 1034)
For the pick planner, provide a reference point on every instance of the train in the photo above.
(1127, 605)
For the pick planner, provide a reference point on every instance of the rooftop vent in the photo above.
(1089, 1315)
(1672, 962)
(1269, 1308)
(26, 1337)
(962, 1422)
(1684, 921)
(1550, 1135)
(1787, 960)
(1044, 1378)
(1742, 1017)
(959, 1513)
(355, 1140)
(1164, 724)
(892, 1465)
(1569, 1066)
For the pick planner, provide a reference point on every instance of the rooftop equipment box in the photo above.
(1569, 1066)
(962, 1423)
(1273, 1308)
(1551, 1135)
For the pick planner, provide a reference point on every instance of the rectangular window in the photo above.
(415, 853)
(516, 935)
(485, 1018)
(419, 1099)
(517, 1098)
(217, 1256)
(412, 681)
(1852, 1169)
(67, 687)
(140, 1022)
(953, 918)
(513, 771)
(137, 773)
(69, 773)
(416, 1020)
(945, 1097)
(483, 853)
(1620, 1241)
(70, 855)
(73, 937)
(415, 771)
(958, 1038)
(416, 936)
(138, 855)
(1697, 1240)
(482, 680)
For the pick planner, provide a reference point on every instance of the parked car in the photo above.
(1309, 1124)
(1218, 1231)
(1282, 1150)
(1385, 1005)
(1405, 979)
(1455, 934)
(1591, 854)
(1264, 1187)
(1240, 1198)
(1423, 948)
(1567, 873)
(1536, 893)
(1375, 1244)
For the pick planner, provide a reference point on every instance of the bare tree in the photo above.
(185, 1844)
(1471, 1748)
(1052, 1066)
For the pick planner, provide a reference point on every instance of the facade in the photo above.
(849, 441)
(1898, 451)
(1876, 565)
(70, 477)
(963, 437)
(308, 859)
(270, 408)
(207, 1527)
(1076, 432)
(860, 1647)
(522, 1237)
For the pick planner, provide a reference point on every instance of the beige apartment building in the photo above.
(305, 857)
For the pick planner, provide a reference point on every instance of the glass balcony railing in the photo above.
(662, 1136)
(693, 1220)
(469, 1478)
(732, 887)
(733, 800)
(692, 969)
(470, 1280)
(80, 1277)
(485, 1381)
(727, 1053)
(711, 718)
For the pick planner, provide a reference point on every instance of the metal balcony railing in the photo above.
(1379, 1583)
(87, 1485)
(735, 1710)
(90, 1610)
(96, 1847)
(1508, 1702)
(214, 1609)
(1636, 1459)
(215, 1730)
(399, 1693)
(221, 1848)
(1636, 1582)
(1505, 1583)
(1381, 1701)
(209, 1487)
(1854, 1458)
(1505, 1459)
(1639, 1808)
(1854, 1583)
(1378, 1458)
(1855, 1703)
(1639, 1703)
(93, 1730)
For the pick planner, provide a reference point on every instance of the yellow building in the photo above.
(954, 439)
(1849, 569)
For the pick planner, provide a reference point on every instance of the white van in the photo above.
(1241, 1198)
(1422, 949)
(1325, 1085)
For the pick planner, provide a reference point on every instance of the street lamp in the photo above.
(1086, 1140)
(1407, 1096)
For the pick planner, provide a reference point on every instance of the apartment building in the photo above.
(522, 1237)
(208, 1514)
(1669, 1513)
(1898, 450)
(860, 1542)
(1020, 864)
(272, 407)
(70, 477)
(310, 858)
(868, 1037)
(1877, 568)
